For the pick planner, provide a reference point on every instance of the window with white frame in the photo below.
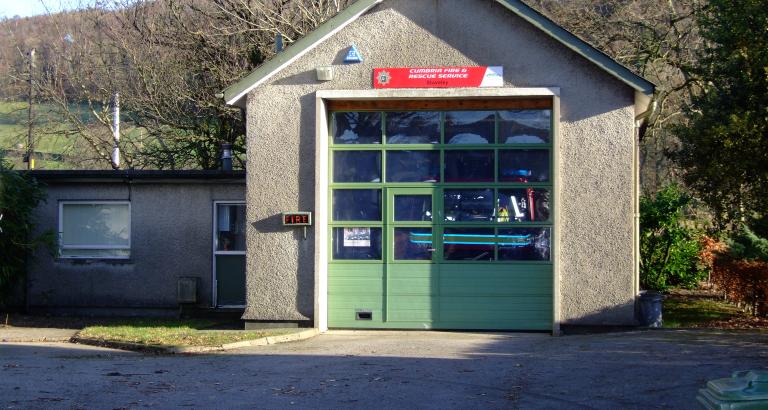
(95, 229)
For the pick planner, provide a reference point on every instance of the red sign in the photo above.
(438, 77)
(297, 218)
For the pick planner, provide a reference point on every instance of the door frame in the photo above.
(214, 253)
(322, 165)
(390, 223)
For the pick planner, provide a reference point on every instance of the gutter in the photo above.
(150, 176)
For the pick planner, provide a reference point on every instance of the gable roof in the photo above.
(234, 94)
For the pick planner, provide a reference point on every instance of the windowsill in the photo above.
(89, 261)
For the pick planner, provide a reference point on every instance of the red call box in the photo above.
(297, 218)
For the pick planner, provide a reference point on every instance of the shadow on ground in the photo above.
(641, 369)
(80, 322)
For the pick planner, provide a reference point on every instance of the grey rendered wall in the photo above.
(171, 236)
(597, 131)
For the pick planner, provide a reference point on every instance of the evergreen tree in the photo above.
(19, 195)
(724, 145)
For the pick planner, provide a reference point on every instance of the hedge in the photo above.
(743, 281)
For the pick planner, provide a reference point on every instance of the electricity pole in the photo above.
(30, 148)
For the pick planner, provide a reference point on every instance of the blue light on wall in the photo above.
(353, 56)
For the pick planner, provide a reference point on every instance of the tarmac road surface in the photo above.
(430, 370)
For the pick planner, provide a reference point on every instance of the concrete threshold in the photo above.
(419, 332)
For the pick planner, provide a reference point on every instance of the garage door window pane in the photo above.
(523, 205)
(413, 166)
(524, 244)
(357, 128)
(526, 165)
(357, 205)
(413, 207)
(469, 244)
(469, 127)
(413, 127)
(413, 244)
(357, 243)
(525, 126)
(468, 166)
(471, 205)
(357, 166)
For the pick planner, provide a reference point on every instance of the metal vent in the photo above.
(187, 290)
(363, 315)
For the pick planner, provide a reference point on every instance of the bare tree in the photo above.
(51, 82)
(658, 39)
(168, 59)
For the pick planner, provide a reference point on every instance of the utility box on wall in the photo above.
(187, 290)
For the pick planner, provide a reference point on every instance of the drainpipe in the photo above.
(640, 128)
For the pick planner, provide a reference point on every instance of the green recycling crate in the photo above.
(744, 390)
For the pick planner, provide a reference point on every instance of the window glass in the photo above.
(469, 166)
(413, 127)
(525, 165)
(413, 244)
(413, 166)
(357, 204)
(469, 127)
(473, 244)
(95, 230)
(230, 227)
(413, 207)
(524, 244)
(357, 128)
(525, 126)
(472, 205)
(523, 205)
(357, 166)
(357, 243)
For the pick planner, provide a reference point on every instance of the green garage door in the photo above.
(441, 219)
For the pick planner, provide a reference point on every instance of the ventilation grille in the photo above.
(363, 314)
(187, 290)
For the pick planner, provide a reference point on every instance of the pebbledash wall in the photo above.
(595, 152)
(170, 237)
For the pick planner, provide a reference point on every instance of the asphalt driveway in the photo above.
(641, 369)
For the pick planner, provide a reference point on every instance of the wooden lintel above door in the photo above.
(517, 103)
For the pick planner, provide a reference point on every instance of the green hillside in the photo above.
(49, 141)
(54, 148)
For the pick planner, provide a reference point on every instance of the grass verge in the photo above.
(697, 311)
(167, 332)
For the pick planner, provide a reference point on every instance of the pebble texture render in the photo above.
(171, 236)
(595, 142)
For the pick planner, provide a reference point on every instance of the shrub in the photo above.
(739, 268)
(669, 250)
(19, 195)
